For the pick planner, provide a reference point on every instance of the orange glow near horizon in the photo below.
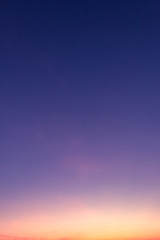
(85, 223)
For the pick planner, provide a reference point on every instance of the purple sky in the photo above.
(80, 107)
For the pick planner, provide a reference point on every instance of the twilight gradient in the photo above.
(80, 120)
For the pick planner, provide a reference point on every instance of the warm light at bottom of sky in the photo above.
(80, 120)
(85, 222)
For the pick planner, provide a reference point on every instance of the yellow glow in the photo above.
(86, 223)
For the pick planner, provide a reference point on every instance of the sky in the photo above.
(80, 120)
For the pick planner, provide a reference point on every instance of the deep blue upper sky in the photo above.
(78, 69)
(56, 51)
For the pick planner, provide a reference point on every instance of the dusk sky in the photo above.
(80, 119)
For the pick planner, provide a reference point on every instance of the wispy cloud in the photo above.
(81, 165)
(8, 237)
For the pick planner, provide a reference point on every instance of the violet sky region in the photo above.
(80, 120)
